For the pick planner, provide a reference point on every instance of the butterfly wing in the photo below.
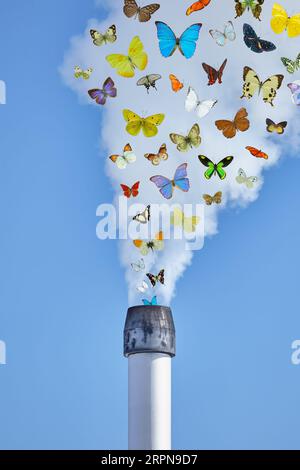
(190, 224)
(109, 88)
(122, 63)
(134, 122)
(167, 39)
(251, 39)
(77, 72)
(255, 6)
(251, 83)
(194, 136)
(137, 55)
(177, 217)
(293, 26)
(150, 303)
(269, 88)
(130, 8)
(227, 127)
(180, 178)
(204, 107)
(241, 177)
(197, 6)
(180, 141)
(135, 189)
(218, 36)
(257, 153)
(289, 64)
(211, 73)
(175, 83)
(192, 100)
(229, 31)
(223, 164)
(165, 185)
(217, 199)
(221, 71)
(188, 40)
(279, 20)
(209, 164)
(111, 34)
(153, 79)
(153, 279)
(126, 190)
(146, 12)
(98, 95)
(241, 121)
(150, 123)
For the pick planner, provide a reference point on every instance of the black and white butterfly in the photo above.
(149, 81)
(255, 43)
(143, 217)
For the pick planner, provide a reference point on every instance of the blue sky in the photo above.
(63, 297)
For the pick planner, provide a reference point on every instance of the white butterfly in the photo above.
(143, 288)
(139, 265)
(192, 103)
(143, 217)
(228, 34)
(249, 181)
(123, 160)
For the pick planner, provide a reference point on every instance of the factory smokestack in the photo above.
(149, 345)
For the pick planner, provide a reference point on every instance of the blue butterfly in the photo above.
(168, 42)
(255, 43)
(153, 301)
(167, 186)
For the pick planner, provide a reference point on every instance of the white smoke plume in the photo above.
(113, 136)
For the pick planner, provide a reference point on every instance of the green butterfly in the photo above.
(253, 5)
(291, 65)
(215, 168)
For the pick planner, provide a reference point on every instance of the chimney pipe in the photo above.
(149, 345)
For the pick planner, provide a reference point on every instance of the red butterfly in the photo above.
(213, 74)
(257, 153)
(134, 191)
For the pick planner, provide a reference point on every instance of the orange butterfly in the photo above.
(230, 128)
(134, 191)
(197, 6)
(257, 153)
(176, 84)
(156, 158)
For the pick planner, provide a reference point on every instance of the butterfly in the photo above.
(230, 128)
(156, 279)
(175, 83)
(149, 81)
(126, 65)
(143, 287)
(143, 217)
(197, 6)
(179, 219)
(151, 245)
(291, 65)
(295, 89)
(281, 21)
(202, 108)
(101, 95)
(166, 186)
(138, 266)
(150, 302)
(227, 35)
(99, 39)
(148, 124)
(123, 160)
(183, 143)
(156, 158)
(168, 42)
(215, 168)
(255, 43)
(242, 178)
(133, 191)
(253, 5)
(142, 13)
(85, 74)
(213, 74)
(276, 128)
(257, 153)
(209, 200)
(268, 88)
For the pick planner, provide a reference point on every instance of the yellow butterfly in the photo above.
(146, 246)
(281, 21)
(126, 65)
(268, 88)
(148, 124)
(189, 224)
(78, 72)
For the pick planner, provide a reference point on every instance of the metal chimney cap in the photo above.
(149, 329)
